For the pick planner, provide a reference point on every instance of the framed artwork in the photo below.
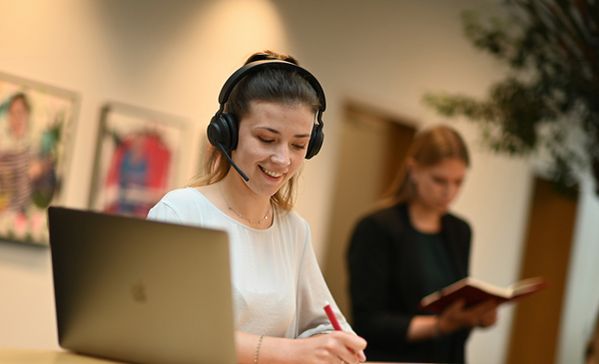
(36, 127)
(137, 159)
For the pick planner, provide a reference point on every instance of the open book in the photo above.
(474, 291)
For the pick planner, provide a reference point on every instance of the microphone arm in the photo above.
(243, 175)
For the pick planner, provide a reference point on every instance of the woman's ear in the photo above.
(411, 168)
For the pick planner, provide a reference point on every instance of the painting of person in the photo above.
(16, 156)
(138, 173)
(35, 121)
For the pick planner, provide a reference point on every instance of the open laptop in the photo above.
(141, 291)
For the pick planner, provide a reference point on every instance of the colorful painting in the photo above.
(35, 126)
(137, 159)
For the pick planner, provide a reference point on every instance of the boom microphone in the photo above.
(222, 149)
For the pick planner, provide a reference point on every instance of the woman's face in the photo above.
(273, 139)
(438, 185)
(18, 116)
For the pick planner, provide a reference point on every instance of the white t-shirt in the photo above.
(278, 289)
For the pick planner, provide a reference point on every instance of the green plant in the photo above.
(549, 101)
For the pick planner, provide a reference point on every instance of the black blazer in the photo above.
(384, 289)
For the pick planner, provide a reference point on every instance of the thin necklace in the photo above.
(252, 222)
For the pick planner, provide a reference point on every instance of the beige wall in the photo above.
(173, 57)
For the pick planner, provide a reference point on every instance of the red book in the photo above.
(474, 291)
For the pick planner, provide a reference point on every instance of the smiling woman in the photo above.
(272, 144)
(268, 123)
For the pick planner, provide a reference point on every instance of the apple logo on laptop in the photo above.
(138, 292)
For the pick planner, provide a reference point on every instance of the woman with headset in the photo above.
(269, 121)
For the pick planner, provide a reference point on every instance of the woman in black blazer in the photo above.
(411, 248)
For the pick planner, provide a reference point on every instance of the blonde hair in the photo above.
(276, 85)
(429, 147)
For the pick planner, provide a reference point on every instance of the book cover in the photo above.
(474, 292)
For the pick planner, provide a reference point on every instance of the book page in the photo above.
(528, 285)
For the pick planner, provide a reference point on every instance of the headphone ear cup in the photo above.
(233, 127)
(316, 140)
(223, 130)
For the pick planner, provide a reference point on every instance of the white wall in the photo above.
(173, 57)
(581, 304)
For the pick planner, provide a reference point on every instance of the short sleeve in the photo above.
(163, 211)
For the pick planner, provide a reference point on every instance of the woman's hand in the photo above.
(488, 318)
(457, 316)
(334, 348)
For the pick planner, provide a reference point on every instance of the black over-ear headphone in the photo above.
(223, 128)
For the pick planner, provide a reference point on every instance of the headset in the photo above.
(223, 130)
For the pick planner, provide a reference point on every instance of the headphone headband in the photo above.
(256, 66)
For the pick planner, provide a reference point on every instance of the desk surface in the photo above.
(31, 356)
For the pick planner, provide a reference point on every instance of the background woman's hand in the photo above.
(488, 317)
(334, 348)
(457, 316)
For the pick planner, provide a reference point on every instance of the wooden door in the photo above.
(372, 146)
(535, 329)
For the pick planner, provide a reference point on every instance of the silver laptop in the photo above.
(141, 291)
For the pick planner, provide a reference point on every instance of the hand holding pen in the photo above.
(357, 354)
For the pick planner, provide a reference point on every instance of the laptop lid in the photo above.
(141, 291)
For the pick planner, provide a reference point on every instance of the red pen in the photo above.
(333, 318)
(331, 315)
